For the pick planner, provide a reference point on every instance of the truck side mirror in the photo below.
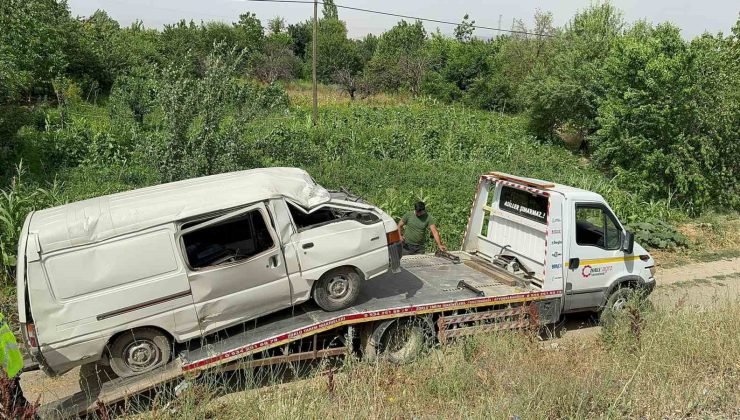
(628, 245)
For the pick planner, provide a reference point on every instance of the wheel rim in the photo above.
(619, 304)
(141, 355)
(338, 287)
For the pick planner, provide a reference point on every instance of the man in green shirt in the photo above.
(413, 228)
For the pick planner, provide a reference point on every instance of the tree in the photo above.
(464, 31)
(563, 92)
(399, 50)
(329, 10)
(334, 51)
(276, 60)
(300, 38)
(668, 123)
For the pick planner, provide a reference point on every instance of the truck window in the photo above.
(597, 227)
(232, 240)
(322, 216)
(523, 203)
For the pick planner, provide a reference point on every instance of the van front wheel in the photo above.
(338, 289)
(138, 351)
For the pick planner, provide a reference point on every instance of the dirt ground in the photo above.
(700, 285)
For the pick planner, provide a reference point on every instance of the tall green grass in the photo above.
(678, 364)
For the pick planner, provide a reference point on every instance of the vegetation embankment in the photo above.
(632, 111)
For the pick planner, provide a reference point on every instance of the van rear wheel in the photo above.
(338, 289)
(138, 351)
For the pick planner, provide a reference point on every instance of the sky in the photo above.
(693, 17)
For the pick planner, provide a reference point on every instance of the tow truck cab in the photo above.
(554, 236)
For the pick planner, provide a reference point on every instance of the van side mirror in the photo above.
(628, 245)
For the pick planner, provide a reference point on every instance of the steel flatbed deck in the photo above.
(427, 285)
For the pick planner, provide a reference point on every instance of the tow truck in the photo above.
(532, 251)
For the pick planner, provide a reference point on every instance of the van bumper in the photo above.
(394, 252)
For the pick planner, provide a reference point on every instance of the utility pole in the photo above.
(315, 39)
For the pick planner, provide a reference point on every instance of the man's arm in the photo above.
(400, 227)
(437, 239)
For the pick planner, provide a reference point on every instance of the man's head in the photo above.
(420, 208)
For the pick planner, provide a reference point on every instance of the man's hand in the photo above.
(437, 239)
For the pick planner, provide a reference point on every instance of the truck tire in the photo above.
(399, 341)
(337, 289)
(615, 304)
(138, 351)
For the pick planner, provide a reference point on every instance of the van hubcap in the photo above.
(338, 287)
(141, 355)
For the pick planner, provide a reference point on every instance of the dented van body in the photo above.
(183, 260)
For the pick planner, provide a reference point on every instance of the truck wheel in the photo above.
(398, 341)
(139, 351)
(616, 303)
(337, 289)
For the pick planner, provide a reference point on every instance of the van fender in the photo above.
(631, 281)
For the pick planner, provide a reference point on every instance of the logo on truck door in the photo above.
(589, 271)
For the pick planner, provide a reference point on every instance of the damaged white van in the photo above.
(125, 276)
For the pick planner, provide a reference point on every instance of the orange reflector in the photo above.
(393, 237)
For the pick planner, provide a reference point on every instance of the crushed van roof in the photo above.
(104, 217)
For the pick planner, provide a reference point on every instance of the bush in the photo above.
(658, 234)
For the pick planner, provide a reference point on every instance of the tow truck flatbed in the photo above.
(428, 285)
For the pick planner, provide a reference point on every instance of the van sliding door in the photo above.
(235, 266)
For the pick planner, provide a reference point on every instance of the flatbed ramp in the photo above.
(426, 284)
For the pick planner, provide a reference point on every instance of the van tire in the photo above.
(337, 289)
(138, 351)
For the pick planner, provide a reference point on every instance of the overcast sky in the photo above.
(692, 16)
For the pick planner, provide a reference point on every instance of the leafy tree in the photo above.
(276, 60)
(464, 31)
(35, 42)
(300, 38)
(563, 93)
(334, 51)
(661, 116)
(329, 10)
(399, 60)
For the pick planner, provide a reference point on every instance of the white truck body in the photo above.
(566, 239)
(187, 258)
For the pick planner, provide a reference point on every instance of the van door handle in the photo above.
(308, 245)
(374, 238)
(273, 262)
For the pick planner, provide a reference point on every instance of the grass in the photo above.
(711, 237)
(663, 364)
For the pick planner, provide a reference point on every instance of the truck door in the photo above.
(595, 254)
(235, 266)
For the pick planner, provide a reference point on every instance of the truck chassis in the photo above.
(445, 296)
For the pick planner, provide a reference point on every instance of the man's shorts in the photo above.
(412, 249)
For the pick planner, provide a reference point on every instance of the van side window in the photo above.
(326, 215)
(232, 240)
(596, 227)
